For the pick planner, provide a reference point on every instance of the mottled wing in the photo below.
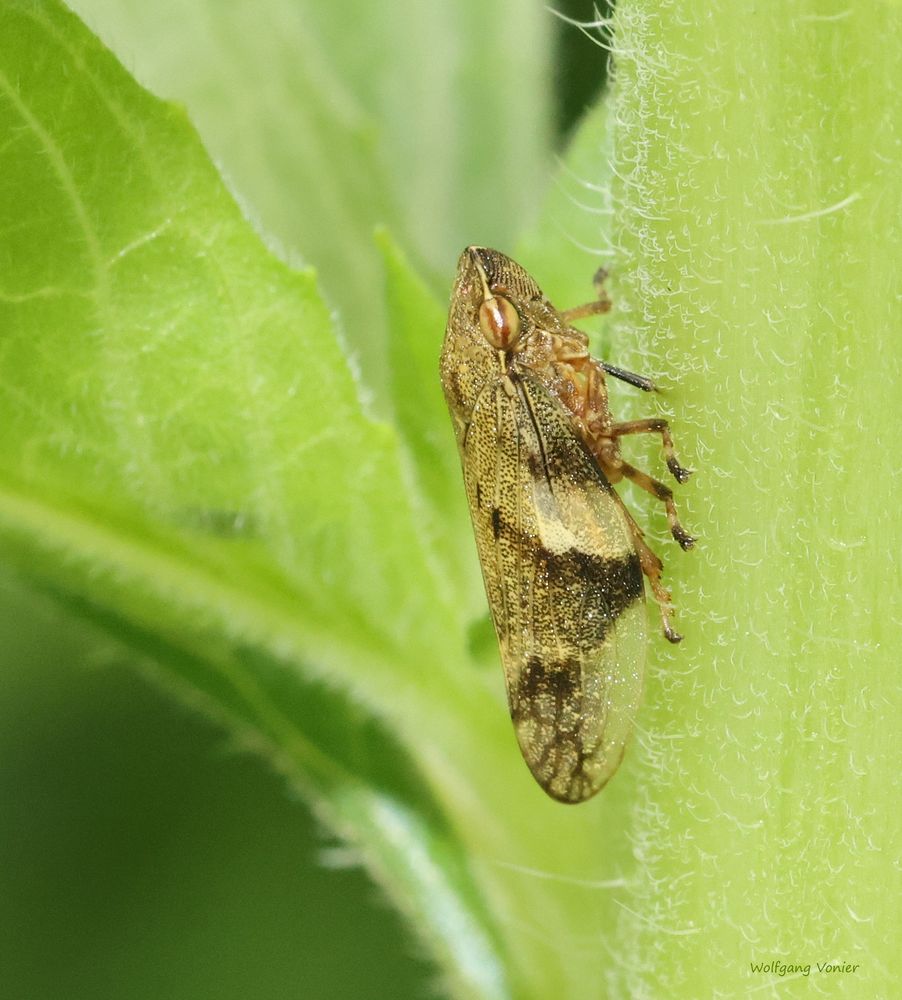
(563, 581)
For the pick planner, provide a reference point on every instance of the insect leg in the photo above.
(601, 304)
(655, 426)
(665, 495)
(593, 308)
(652, 567)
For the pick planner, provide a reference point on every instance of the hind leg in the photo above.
(652, 568)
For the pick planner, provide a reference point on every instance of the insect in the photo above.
(562, 558)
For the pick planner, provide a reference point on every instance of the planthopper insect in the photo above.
(562, 557)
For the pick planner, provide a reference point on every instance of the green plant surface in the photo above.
(759, 230)
(188, 465)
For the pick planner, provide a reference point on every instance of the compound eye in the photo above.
(499, 322)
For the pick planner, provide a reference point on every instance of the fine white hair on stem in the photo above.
(582, 182)
(582, 883)
(656, 927)
(599, 24)
(841, 16)
(816, 213)
(602, 251)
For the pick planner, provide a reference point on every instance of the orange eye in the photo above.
(499, 322)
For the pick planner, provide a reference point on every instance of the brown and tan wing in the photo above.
(564, 585)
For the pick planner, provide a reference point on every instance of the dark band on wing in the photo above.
(609, 585)
(616, 583)
(548, 699)
(556, 684)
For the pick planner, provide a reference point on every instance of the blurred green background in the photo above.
(141, 855)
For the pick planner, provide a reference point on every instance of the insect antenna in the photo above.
(639, 381)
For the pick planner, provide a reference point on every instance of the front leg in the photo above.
(601, 304)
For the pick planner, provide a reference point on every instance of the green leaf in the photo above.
(186, 463)
(175, 377)
(332, 118)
